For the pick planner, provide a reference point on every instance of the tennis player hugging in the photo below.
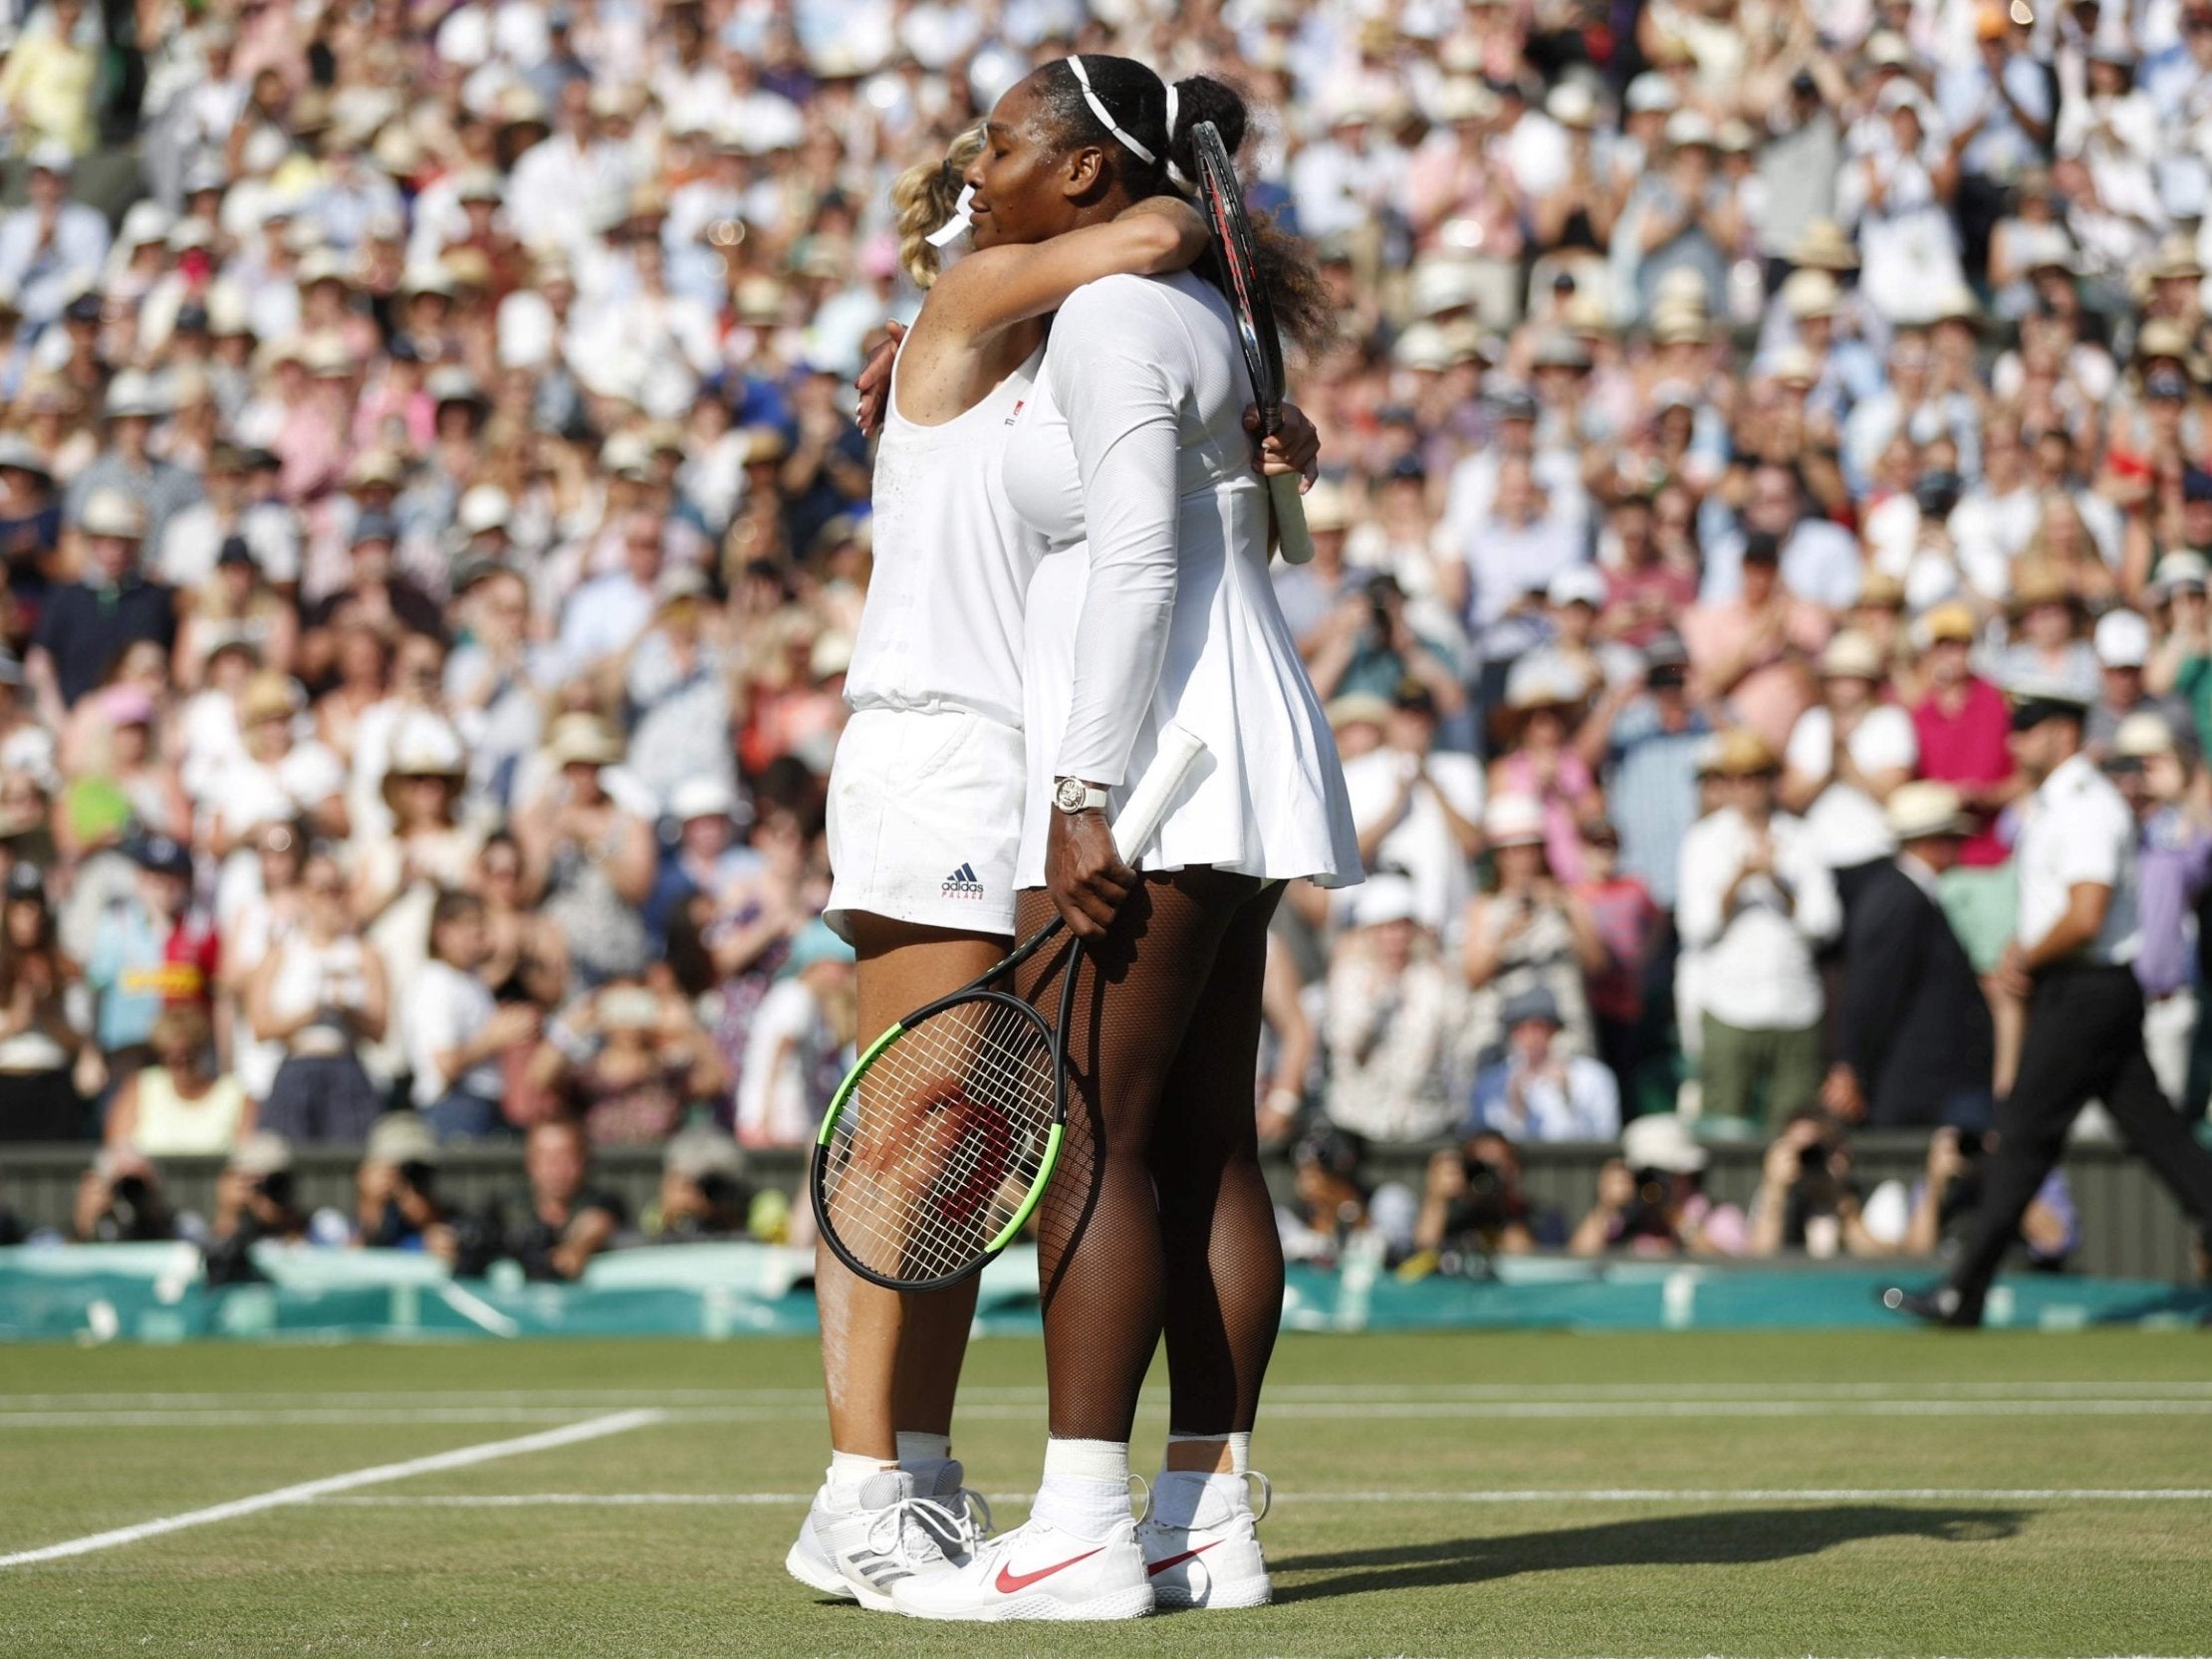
(1071, 549)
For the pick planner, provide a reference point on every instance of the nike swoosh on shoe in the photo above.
(1159, 1567)
(1008, 1580)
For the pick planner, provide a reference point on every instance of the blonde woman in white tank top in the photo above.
(177, 1108)
(925, 792)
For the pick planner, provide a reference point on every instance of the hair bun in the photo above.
(1202, 97)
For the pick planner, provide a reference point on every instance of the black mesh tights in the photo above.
(1158, 1217)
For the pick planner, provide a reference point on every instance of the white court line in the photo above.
(596, 1428)
(585, 1399)
(1491, 1410)
(280, 1417)
(1514, 1494)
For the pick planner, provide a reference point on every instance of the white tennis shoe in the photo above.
(808, 1559)
(1035, 1571)
(892, 1532)
(1215, 1560)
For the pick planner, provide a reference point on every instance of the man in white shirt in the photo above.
(51, 247)
(1419, 812)
(1754, 901)
(1820, 559)
(2070, 958)
(605, 616)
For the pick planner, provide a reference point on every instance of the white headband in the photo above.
(1174, 104)
(1106, 117)
(949, 232)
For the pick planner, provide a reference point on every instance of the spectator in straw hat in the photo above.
(1418, 808)
(1308, 592)
(85, 625)
(1393, 1021)
(1529, 931)
(1545, 695)
(1643, 737)
(1757, 900)
(2049, 622)
(590, 859)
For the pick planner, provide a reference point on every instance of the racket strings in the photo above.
(941, 1140)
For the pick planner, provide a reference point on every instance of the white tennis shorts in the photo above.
(925, 820)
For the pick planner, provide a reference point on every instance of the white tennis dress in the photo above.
(925, 792)
(1154, 604)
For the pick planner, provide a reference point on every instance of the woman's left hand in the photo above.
(1295, 447)
(1084, 874)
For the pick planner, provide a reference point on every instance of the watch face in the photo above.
(1069, 793)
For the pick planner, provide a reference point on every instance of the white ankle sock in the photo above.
(915, 1447)
(1085, 1490)
(1179, 1493)
(849, 1470)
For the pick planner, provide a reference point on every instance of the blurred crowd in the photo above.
(435, 526)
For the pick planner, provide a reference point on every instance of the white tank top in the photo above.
(944, 620)
(170, 1127)
(310, 977)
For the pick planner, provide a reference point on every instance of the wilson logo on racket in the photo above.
(987, 1147)
(939, 1144)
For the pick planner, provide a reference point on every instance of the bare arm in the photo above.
(370, 1019)
(1581, 923)
(632, 866)
(123, 1117)
(46, 686)
(994, 288)
(1294, 1041)
(589, 1234)
(260, 1012)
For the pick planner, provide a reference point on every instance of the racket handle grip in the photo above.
(1155, 791)
(1291, 533)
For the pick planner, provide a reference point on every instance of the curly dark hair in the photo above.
(1138, 100)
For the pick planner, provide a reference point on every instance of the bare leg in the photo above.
(892, 1362)
(2009, 1015)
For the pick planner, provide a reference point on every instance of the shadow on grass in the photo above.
(1705, 1539)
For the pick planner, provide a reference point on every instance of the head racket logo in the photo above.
(976, 1167)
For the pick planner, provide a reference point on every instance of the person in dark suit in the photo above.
(1915, 1040)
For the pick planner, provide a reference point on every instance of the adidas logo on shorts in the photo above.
(961, 884)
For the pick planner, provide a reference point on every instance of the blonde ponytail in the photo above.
(924, 198)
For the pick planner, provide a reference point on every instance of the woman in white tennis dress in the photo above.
(925, 805)
(1153, 608)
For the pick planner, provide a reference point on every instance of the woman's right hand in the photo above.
(874, 382)
(1083, 873)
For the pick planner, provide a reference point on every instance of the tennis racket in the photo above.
(1222, 199)
(941, 1140)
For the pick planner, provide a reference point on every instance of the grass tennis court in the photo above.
(1461, 1495)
